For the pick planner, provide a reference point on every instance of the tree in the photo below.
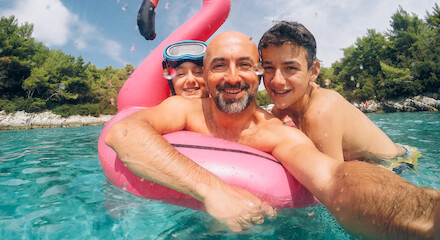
(360, 65)
(263, 98)
(17, 48)
(397, 82)
(406, 30)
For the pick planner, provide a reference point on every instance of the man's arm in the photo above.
(138, 142)
(366, 200)
(375, 203)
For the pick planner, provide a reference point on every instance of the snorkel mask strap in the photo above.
(169, 81)
(170, 84)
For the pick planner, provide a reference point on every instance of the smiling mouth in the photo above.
(280, 92)
(233, 90)
(191, 89)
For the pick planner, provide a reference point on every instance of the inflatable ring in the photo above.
(242, 166)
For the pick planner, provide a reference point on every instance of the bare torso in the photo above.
(201, 120)
(342, 131)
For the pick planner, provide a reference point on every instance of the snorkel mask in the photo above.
(178, 53)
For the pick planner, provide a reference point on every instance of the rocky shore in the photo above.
(24, 120)
(414, 104)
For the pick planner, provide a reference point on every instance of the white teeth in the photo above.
(190, 89)
(280, 92)
(232, 91)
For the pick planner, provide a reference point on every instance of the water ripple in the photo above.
(53, 188)
(14, 182)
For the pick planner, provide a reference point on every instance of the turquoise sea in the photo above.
(52, 187)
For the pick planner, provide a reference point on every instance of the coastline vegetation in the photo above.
(402, 62)
(34, 78)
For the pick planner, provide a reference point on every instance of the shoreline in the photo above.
(22, 120)
(421, 103)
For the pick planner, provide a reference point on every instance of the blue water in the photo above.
(52, 187)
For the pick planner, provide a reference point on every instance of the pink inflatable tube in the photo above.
(238, 165)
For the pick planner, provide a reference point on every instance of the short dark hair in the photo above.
(290, 32)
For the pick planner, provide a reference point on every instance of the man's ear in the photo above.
(316, 67)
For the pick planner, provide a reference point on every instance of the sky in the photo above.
(104, 32)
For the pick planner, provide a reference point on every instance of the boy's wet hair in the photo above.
(290, 32)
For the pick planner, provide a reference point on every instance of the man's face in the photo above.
(286, 74)
(228, 71)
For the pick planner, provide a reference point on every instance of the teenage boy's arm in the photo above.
(139, 144)
(366, 200)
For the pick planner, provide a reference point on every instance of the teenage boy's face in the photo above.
(286, 74)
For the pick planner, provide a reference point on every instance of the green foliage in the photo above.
(7, 105)
(23, 104)
(263, 98)
(34, 78)
(433, 19)
(405, 61)
(364, 91)
(17, 49)
(92, 109)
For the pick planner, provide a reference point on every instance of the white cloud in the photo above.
(56, 26)
(337, 24)
(113, 49)
(51, 19)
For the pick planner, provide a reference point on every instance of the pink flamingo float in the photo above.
(238, 165)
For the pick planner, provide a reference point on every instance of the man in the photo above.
(231, 113)
(336, 127)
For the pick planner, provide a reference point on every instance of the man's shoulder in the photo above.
(179, 101)
(271, 133)
(177, 106)
(275, 127)
(265, 119)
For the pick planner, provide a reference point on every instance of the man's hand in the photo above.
(237, 208)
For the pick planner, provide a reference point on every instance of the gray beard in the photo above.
(233, 106)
